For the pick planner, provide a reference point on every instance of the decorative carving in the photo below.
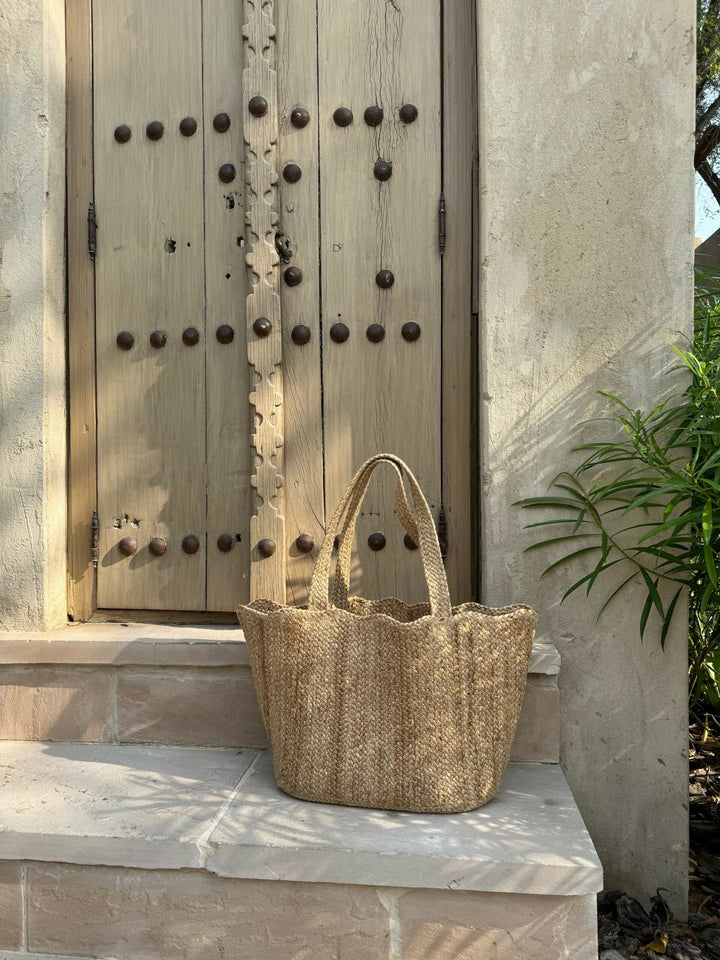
(267, 573)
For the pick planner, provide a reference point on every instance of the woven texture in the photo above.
(382, 704)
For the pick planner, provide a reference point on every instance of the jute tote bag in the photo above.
(376, 703)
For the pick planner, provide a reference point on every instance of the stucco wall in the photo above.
(586, 252)
(32, 323)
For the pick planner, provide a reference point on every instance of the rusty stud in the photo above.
(225, 543)
(227, 173)
(373, 116)
(375, 332)
(221, 122)
(299, 117)
(191, 337)
(128, 546)
(382, 170)
(384, 279)
(293, 276)
(410, 331)
(409, 542)
(343, 117)
(154, 130)
(188, 126)
(225, 334)
(291, 172)
(190, 544)
(376, 541)
(262, 327)
(258, 106)
(125, 340)
(300, 334)
(408, 113)
(157, 546)
(123, 133)
(305, 543)
(267, 547)
(158, 339)
(339, 332)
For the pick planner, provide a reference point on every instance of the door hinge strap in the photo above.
(442, 232)
(442, 532)
(94, 539)
(92, 230)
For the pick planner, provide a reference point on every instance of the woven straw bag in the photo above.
(379, 703)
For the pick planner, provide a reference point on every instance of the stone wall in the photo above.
(586, 133)
(32, 314)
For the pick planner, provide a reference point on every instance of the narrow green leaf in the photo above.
(668, 617)
(707, 522)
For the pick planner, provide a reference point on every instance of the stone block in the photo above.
(11, 912)
(192, 707)
(458, 925)
(192, 915)
(54, 703)
(537, 736)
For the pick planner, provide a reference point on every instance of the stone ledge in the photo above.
(220, 810)
(139, 644)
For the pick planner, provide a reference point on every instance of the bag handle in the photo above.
(421, 527)
(341, 580)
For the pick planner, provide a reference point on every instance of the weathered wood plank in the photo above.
(299, 209)
(151, 402)
(381, 396)
(81, 311)
(267, 573)
(229, 493)
(459, 346)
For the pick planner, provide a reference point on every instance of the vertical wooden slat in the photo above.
(381, 396)
(229, 494)
(150, 263)
(459, 160)
(299, 209)
(81, 310)
(267, 573)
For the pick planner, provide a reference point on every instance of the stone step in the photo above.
(172, 853)
(187, 685)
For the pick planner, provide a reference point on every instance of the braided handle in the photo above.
(420, 527)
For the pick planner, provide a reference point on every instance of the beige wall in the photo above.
(586, 249)
(32, 321)
(586, 252)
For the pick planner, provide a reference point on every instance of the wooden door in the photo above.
(173, 418)
(385, 154)
(371, 135)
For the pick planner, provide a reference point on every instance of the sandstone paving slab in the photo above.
(530, 839)
(133, 806)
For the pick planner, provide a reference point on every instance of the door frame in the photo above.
(459, 294)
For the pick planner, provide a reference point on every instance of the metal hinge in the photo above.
(94, 539)
(442, 233)
(92, 230)
(442, 532)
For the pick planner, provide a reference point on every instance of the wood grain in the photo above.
(459, 346)
(229, 493)
(81, 311)
(299, 210)
(267, 574)
(381, 396)
(151, 402)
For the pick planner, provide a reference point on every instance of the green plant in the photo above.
(646, 503)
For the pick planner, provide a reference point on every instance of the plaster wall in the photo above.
(586, 254)
(32, 314)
